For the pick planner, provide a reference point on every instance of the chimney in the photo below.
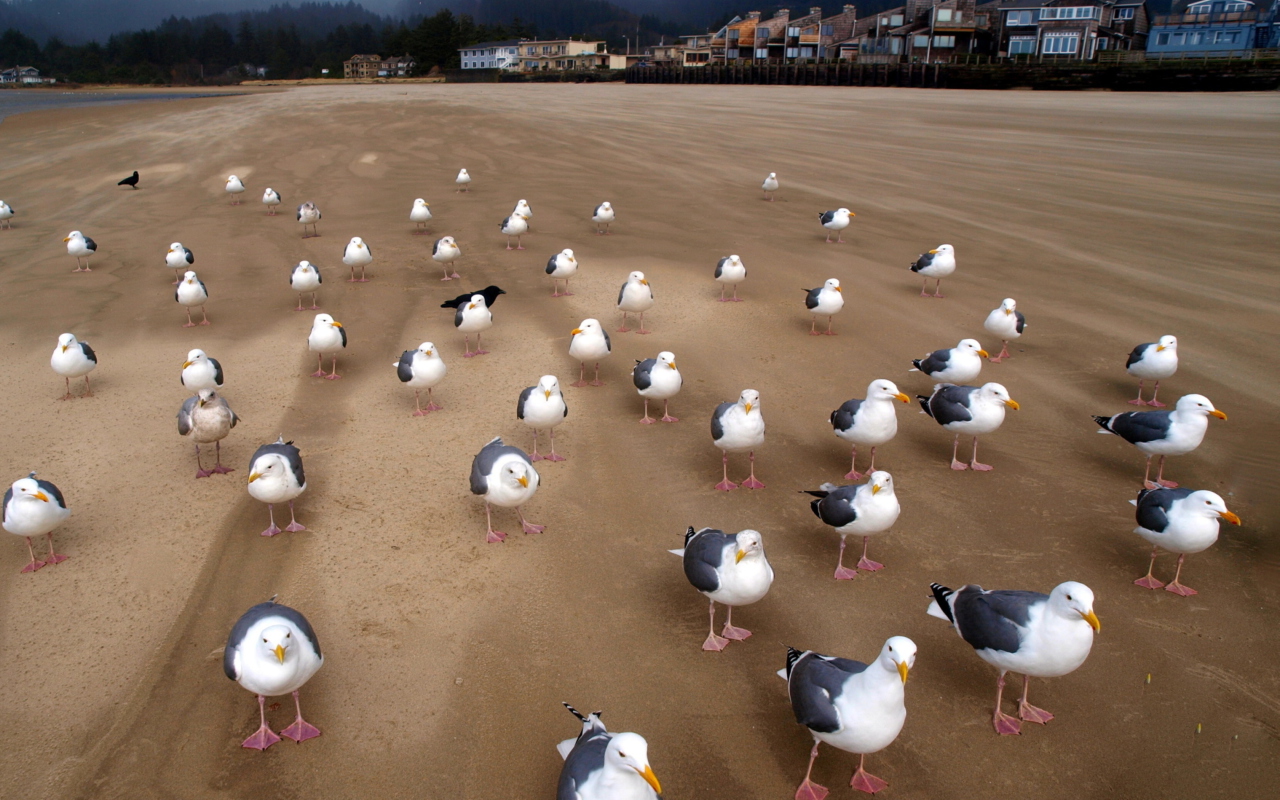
(782, 13)
(848, 9)
(815, 10)
(753, 15)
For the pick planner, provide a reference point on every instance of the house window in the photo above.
(944, 15)
(762, 33)
(1124, 13)
(1069, 12)
(793, 30)
(1022, 45)
(1226, 37)
(793, 52)
(762, 52)
(827, 30)
(1102, 44)
(1060, 45)
(733, 35)
(1162, 38)
(1014, 18)
(920, 41)
(1179, 39)
(731, 54)
(806, 52)
(895, 20)
(944, 41)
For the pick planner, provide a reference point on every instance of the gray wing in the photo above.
(1139, 353)
(89, 354)
(91, 244)
(1022, 321)
(222, 401)
(47, 488)
(290, 453)
(8, 495)
(811, 299)
(950, 403)
(300, 213)
(621, 292)
(842, 417)
(1154, 505)
(203, 288)
(343, 331)
(608, 343)
(703, 555)
(826, 216)
(1140, 426)
(990, 620)
(814, 684)
(922, 262)
(217, 371)
(835, 508)
(189, 256)
(936, 361)
(551, 265)
(586, 757)
(186, 415)
(717, 427)
(250, 618)
(642, 375)
(524, 398)
(483, 463)
(720, 265)
(435, 248)
(457, 318)
(596, 213)
(404, 370)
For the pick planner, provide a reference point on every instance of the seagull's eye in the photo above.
(288, 635)
(264, 640)
(621, 754)
(1208, 502)
(1068, 597)
(890, 648)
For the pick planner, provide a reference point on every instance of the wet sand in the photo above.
(1111, 218)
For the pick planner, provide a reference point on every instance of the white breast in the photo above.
(325, 339)
(829, 302)
(588, 347)
(664, 383)
(875, 423)
(476, 319)
(636, 297)
(742, 431)
(541, 412)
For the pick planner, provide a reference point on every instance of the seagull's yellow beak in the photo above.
(644, 281)
(361, 245)
(1008, 311)
(66, 238)
(336, 324)
(1218, 414)
(672, 364)
(470, 306)
(838, 289)
(875, 487)
(902, 397)
(650, 778)
(546, 394)
(1012, 404)
(741, 555)
(1159, 347)
(279, 651)
(254, 477)
(932, 251)
(202, 402)
(575, 331)
(1230, 517)
(903, 669)
(185, 364)
(64, 348)
(984, 353)
(748, 408)
(524, 481)
(1092, 619)
(41, 496)
(170, 249)
(428, 352)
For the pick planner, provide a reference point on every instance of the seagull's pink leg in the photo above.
(973, 459)
(1004, 353)
(68, 395)
(319, 373)
(519, 243)
(955, 463)
(730, 632)
(352, 279)
(88, 390)
(641, 329)
(723, 299)
(1146, 477)
(417, 402)
(509, 247)
(314, 307)
(666, 416)
(735, 298)
(201, 472)
(271, 530)
(34, 565)
(300, 730)
(714, 642)
(204, 321)
(647, 419)
(1149, 581)
(218, 468)
(446, 275)
(1160, 477)
(1028, 712)
(554, 456)
(810, 790)
(864, 781)
(363, 278)
(866, 563)
(466, 337)
(1174, 586)
(189, 324)
(597, 381)
(264, 737)
(299, 308)
(1153, 402)
(527, 526)
(751, 482)
(294, 526)
(333, 376)
(872, 468)
(624, 328)
(726, 485)
(582, 375)
(1139, 401)
(494, 536)
(830, 332)
(432, 405)
(1005, 725)
(813, 327)
(843, 573)
(479, 351)
(536, 456)
(937, 289)
(924, 288)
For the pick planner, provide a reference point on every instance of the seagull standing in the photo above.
(357, 254)
(515, 225)
(235, 188)
(657, 379)
(206, 417)
(1181, 521)
(730, 271)
(6, 214)
(937, 263)
(825, 301)
(420, 215)
(421, 369)
(589, 342)
(192, 292)
(272, 650)
(463, 181)
(1153, 361)
(131, 181)
(1007, 322)
(635, 297)
(201, 372)
(542, 407)
(74, 359)
(308, 214)
(276, 476)
(304, 279)
(327, 336)
(865, 510)
(562, 266)
(770, 186)
(968, 410)
(855, 707)
(869, 422)
(472, 314)
(836, 221)
(1038, 635)
(1164, 433)
(35, 508)
(603, 215)
(82, 247)
(505, 476)
(959, 364)
(736, 427)
(599, 765)
(730, 569)
(446, 251)
(271, 199)
(179, 259)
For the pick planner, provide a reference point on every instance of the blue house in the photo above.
(1215, 27)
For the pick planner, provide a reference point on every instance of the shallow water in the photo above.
(16, 101)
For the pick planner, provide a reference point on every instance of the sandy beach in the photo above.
(1111, 218)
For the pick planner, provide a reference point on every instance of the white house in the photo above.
(491, 55)
(20, 74)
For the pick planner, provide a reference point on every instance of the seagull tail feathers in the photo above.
(793, 655)
(1105, 422)
(924, 403)
(680, 552)
(941, 605)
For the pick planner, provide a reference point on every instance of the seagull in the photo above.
(206, 417)
(1153, 361)
(515, 225)
(868, 422)
(235, 188)
(837, 221)
(1164, 433)
(522, 208)
(420, 214)
(599, 765)
(201, 372)
(937, 263)
(308, 214)
(731, 569)
(730, 271)
(1038, 635)
(276, 476)
(473, 314)
(422, 369)
(6, 214)
(35, 508)
(856, 707)
(770, 186)
(863, 510)
(327, 336)
(178, 259)
(1181, 521)
(192, 292)
(635, 297)
(1006, 322)
(271, 199)
(589, 342)
(131, 181)
(82, 247)
(959, 364)
(825, 301)
(505, 476)
(969, 410)
(73, 359)
(562, 266)
(463, 181)
(304, 279)
(542, 407)
(657, 379)
(271, 651)
(357, 254)
(603, 216)
(735, 428)
(446, 251)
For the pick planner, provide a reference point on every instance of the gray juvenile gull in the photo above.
(309, 215)
(206, 417)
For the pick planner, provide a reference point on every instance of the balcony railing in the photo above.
(1207, 19)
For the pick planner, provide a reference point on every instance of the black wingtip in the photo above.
(924, 403)
(688, 535)
(915, 362)
(1105, 422)
(573, 711)
(940, 595)
(793, 655)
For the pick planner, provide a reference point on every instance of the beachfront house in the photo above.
(29, 76)
(1069, 29)
(695, 51)
(552, 54)
(374, 66)
(921, 31)
(1214, 28)
(504, 55)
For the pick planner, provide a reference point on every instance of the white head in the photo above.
(750, 545)
(73, 235)
(232, 179)
(971, 346)
(736, 261)
(175, 246)
(270, 466)
(1167, 343)
(882, 389)
(1209, 504)
(522, 203)
(322, 320)
(832, 284)
(276, 642)
(773, 174)
(477, 301)
(269, 192)
(629, 751)
(358, 242)
(305, 266)
(606, 206)
(1008, 305)
(515, 474)
(462, 173)
(66, 340)
(898, 655)
(189, 277)
(637, 277)
(997, 392)
(308, 206)
(588, 326)
(195, 357)
(428, 349)
(846, 212)
(1198, 404)
(419, 202)
(881, 483)
(750, 400)
(568, 254)
(667, 359)
(448, 241)
(27, 488)
(944, 249)
(1074, 600)
(548, 385)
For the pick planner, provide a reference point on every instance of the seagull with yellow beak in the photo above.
(35, 508)
(205, 417)
(1164, 433)
(599, 765)
(869, 421)
(657, 379)
(505, 477)
(272, 650)
(736, 427)
(1008, 323)
(937, 263)
(276, 476)
(728, 568)
(82, 247)
(420, 215)
(959, 364)
(542, 407)
(855, 707)
(968, 410)
(1181, 521)
(74, 359)
(422, 369)
(825, 301)
(357, 254)
(1037, 635)
(866, 510)
(327, 336)
(179, 259)
(635, 297)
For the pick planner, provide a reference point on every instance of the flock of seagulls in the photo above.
(856, 707)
